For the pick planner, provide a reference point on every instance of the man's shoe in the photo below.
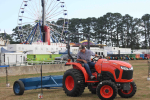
(92, 77)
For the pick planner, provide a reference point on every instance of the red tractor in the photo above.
(112, 77)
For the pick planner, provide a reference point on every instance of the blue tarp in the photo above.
(6, 51)
(4, 66)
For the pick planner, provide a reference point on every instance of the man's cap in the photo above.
(81, 47)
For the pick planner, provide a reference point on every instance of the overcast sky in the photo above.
(9, 10)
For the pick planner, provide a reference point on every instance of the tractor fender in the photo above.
(79, 67)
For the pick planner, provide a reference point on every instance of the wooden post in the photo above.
(148, 78)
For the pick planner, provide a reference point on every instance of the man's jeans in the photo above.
(89, 65)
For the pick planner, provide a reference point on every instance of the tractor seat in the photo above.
(93, 69)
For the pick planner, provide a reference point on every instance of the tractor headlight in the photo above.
(131, 68)
(126, 68)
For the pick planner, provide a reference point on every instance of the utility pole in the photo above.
(43, 18)
(40, 96)
(5, 37)
(77, 36)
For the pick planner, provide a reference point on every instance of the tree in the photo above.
(74, 28)
(109, 27)
(15, 35)
(20, 36)
(6, 36)
(117, 17)
(99, 30)
(145, 24)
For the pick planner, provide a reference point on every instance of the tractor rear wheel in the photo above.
(73, 82)
(106, 90)
(130, 93)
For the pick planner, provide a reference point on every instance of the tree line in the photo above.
(110, 29)
(115, 29)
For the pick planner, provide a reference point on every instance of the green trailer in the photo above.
(42, 57)
(132, 56)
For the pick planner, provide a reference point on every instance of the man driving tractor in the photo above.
(84, 55)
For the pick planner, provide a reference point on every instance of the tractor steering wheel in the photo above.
(93, 59)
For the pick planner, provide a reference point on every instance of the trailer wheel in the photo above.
(130, 93)
(18, 87)
(106, 90)
(73, 82)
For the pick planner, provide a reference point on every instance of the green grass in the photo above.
(140, 76)
(139, 65)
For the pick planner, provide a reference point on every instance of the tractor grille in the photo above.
(117, 72)
(127, 74)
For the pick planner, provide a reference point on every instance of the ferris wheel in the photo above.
(32, 15)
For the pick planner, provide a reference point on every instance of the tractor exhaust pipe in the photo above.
(68, 44)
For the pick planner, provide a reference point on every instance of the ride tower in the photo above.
(44, 21)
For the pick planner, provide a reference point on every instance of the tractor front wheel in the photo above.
(106, 90)
(130, 93)
(73, 82)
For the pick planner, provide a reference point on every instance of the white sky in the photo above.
(9, 10)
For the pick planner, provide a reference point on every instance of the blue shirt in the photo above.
(85, 56)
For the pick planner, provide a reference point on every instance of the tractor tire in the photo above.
(92, 89)
(106, 90)
(73, 82)
(18, 87)
(130, 93)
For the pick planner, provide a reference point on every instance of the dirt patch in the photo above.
(148, 86)
(144, 77)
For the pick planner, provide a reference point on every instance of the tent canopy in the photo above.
(6, 51)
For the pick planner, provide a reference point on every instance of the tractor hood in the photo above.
(121, 63)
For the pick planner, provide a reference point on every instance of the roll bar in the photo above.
(68, 44)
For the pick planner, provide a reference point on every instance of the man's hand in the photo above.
(84, 61)
(96, 55)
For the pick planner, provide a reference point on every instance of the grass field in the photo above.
(140, 78)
